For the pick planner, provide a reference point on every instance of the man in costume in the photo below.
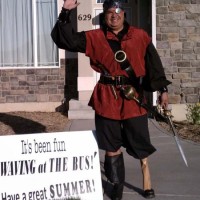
(126, 58)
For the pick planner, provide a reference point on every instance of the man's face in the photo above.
(114, 20)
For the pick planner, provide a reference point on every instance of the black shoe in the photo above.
(117, 192)
(148, 194)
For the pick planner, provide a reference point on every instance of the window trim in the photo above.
(35, 50)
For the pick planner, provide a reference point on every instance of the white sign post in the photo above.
(50, 166)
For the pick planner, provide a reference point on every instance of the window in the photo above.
(25, 28)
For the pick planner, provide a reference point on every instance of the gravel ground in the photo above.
(185, 130)
(32, 122)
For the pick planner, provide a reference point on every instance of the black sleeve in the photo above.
(155, 78)
(65, 37)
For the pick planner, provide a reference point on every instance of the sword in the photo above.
(167, 113)
(129, 93)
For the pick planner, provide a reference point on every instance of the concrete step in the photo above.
(79, 109)
(81, 114)
(79, 104)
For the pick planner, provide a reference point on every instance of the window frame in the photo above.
(35, 49)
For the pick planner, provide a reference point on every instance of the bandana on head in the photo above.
(113, 4)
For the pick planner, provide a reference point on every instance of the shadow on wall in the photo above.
(21, 125)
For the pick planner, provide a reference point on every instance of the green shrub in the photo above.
(193, 113)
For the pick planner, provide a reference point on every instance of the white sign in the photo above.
(50, 166)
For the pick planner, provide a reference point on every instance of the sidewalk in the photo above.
(171, 179)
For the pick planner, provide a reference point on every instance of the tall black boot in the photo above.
(115, 173)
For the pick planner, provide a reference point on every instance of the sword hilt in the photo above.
(165, 112)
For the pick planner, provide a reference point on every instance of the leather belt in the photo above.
(115, 80)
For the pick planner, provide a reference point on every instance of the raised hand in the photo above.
(70, 4)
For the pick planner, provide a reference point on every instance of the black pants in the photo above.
(133, 134)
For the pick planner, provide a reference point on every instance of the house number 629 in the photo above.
(84, 17)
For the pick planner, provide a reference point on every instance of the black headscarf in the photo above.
(112, 3)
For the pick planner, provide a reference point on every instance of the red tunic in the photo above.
(134, 43)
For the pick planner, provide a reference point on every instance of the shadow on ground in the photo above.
(21, 125)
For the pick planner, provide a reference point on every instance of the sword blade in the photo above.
(181, 150)
(177, 141)
(168, 118)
